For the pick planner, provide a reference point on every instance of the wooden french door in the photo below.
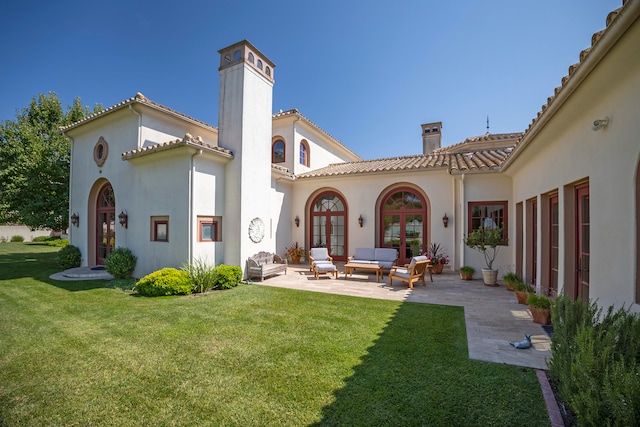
(329, 225)
(403, 224)
(105, 223)
(582, 242)
(554, 244)
(534, 242)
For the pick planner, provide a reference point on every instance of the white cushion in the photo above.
(385, 254)
(365, 254)
(319, 253)
(322, 268)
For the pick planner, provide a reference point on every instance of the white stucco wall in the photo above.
(567, 150)
(361, 193)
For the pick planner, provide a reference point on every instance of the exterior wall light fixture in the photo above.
(75, 219)
(361, 221)
(297, 221)
(445, 220)
(124, 218)
(600, 123)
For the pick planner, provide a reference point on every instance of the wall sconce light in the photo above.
(297, 221)
(360, 221)
(600, 123)
(445, 220)
(124, 218)
(75, 219)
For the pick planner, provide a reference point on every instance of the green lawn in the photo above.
(81, 353)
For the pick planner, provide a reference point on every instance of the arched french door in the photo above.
(403, 223)
(328, 224)
(105, 223)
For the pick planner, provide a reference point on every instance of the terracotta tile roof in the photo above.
(486, 141)
(140, 99)
(188, 140)
(281, 170)
(294, 112)
(483, 153)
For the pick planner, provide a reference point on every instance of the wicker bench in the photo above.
(265, 264)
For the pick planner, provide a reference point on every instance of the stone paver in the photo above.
(493, 316)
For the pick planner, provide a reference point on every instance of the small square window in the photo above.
(209, 229)
(160, 228)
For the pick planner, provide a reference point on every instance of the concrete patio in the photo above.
(493, 316)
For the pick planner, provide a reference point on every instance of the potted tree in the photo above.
(466, 272)
(522, 291)
(487, 240)
(540, 307)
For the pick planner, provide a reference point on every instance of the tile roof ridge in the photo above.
(138, 98)
(188, 139)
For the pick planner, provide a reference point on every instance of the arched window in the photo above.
(304, 153)
(277, 151)
(259, 64)
(237, 55)
(329, 224)
(251, 57)
(268, 71)
(403, 224)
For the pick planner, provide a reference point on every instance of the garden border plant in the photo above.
(120, 263)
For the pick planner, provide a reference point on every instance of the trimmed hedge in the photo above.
(17, 238)
(227, 276)
(168, 281)
(120, 263)
(69, 257)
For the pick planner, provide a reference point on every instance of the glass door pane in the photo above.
(413, 236)
(337, 236)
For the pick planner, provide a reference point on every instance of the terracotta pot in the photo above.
(466, 276)
(522, 297)
(437, 268)
(540, 315)
(295, 260)
(490, 277)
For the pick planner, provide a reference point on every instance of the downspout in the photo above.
(463, 222)
(139, 126)
(190, 219)
(70, 180)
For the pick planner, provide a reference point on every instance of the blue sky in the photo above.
(367, 72)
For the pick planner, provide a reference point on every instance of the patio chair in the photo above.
(321, 263)
(413, 272)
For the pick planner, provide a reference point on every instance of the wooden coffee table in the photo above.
(349, 267)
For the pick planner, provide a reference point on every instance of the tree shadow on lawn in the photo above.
(418, 373)
(39, 266)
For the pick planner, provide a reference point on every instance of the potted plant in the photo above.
(487, 241)
(511, 279)
(466, 272)
(295, 252)
(437, 257)
(540, 307)
(522, 291)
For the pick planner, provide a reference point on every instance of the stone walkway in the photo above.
(493, 316)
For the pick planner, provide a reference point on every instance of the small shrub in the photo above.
(40, 239)
(520, 286)
(120, 263)
(201, 274)
(57, 242)
(540, 301)
(227, 276)
(17, 238)
(511, 278)
(69, 257)
(168, 281)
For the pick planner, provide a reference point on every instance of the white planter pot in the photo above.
(490, 277)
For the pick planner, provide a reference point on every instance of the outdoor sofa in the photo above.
(265, 264)
(384, 257)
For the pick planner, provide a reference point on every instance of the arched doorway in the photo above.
(105, 223)
(328, 224)
(403, 223)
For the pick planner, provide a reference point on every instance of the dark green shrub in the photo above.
(201, 275)
(511, 278)
(594, 362)
(540, 301)
(120, 263)
(227, 276)
(69, 257)
(168, 281)
(40, 239)
(17, 239)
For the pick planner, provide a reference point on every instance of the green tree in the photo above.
(34, 163)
